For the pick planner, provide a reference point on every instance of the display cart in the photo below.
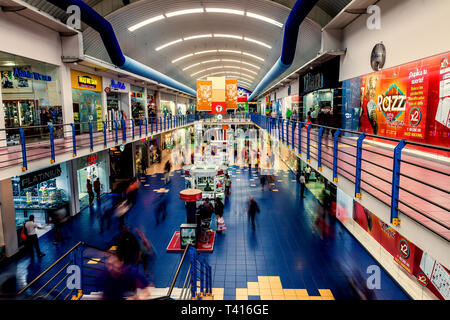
(209, 179)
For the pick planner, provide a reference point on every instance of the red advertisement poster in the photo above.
(404, 255)
(411, 101)
(218, 108)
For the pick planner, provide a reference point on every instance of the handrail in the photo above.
(178, 270)
(80, 243)
(49, 268)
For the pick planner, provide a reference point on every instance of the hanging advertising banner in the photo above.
(410, 101)
(204, 95)
(218, 108)
(231, 94)
(243, 94)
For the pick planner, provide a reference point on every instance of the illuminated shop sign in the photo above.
(34, 178)
(92, 159)
(118, 85)
(87, 82)
(312, 82)
(31, 75)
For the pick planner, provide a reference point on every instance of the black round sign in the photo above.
(378, 56)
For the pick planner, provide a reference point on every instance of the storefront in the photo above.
(87, 101)
(92, 167)
(138, 102)
(142, 155)
(31, 97)
(118, 100)
(122, 164)
(167, 108)
(38, 193)
(151, 103)
(320, 95)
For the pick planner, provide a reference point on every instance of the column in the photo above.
(73, 167)
(8, 218)
(66, 97)
(2, 122)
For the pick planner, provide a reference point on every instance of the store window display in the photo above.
(137, 102)
(31, 97)
(92, 167)
(39, 192)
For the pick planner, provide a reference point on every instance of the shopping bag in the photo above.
(23, 234)
(221, 224)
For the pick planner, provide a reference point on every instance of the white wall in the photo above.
(410, 30)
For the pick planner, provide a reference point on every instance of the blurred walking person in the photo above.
(262, 179)
(97, 187)
(146, 252)
(302, 186)
(167, 168)
(161, 209)
(253, 209)
(128, 247)
(90, 192)
(218, 209)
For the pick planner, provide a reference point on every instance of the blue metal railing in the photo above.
(351, 156)
(52, 140)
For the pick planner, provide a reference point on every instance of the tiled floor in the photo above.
(280, 259)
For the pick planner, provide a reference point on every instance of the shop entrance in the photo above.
(121, 160)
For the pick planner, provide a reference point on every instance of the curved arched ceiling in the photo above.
(236, 43)
(232, 36)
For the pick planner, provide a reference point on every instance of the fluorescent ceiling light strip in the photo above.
(249, 64)
(223, 35)
(206, 51)
(168, 44)
(210, 61)
(198, 36)
(191, 66)
(224, 10)
(212, 68)
(253, 56)
(230, 51)
(198, 72)
(187, 11)
(263, 18)
(145, 22)
(183, 57)
(251, 71)
(257, 42)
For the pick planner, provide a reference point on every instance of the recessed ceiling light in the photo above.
(168, 44)
(180, 12)
(229, 51)
(206, 51)
(145, 22)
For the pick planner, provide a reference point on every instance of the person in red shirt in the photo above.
(97, 188)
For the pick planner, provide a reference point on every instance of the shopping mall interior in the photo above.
(224, 150)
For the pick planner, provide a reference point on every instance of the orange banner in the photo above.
(231, 94)
(204, 95)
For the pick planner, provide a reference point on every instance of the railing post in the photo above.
(24, 149)
(358, 165)
(116, 129)
(132, 129)
(192, 256)
(210, 280)
(293, 135)
(124, 131)
(104, 134)
(282, 131)
(300, 126)
(91, 137)
(52, 143)
(165, 122)
(146, 127)
(151, 125)
(319, 149)
(202, 278)
(287, 133)
(308, 142)
(396, 180)
(140, 127)
(74, 141)
(335, 154)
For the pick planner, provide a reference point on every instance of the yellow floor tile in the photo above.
(266, 297)
(302, 298)
(252, 285)
(218, 291)
(264, 285)
(242, 297)
(275, 190)
(262, 279)
(265, 291)
(93, 261)
(113, 248)
(277, 292)
(253, 292)
(301, 292)
(328, 298)
(241, 291)
(325, 293)
(280, 297)
(289, 292)
(315, 298)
